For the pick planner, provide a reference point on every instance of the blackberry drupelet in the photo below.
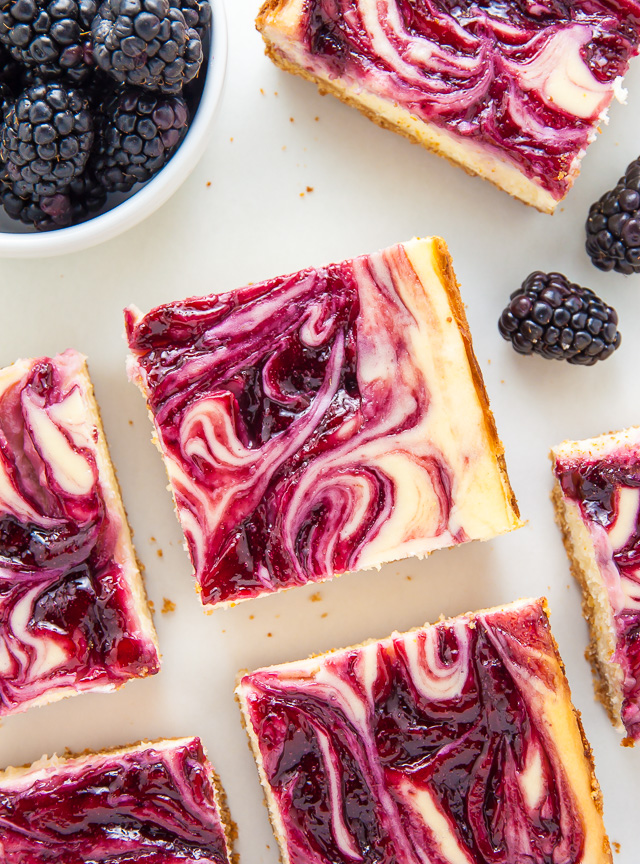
(50, 37)
(553, 317)
(147, 43)
(45, 140)
(613, 226)
(138, 133)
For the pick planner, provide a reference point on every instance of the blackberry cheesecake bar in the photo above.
(456, 742)
(511, 91)
(331, 420)
(155, 801)
(73, 610)
(597, 501)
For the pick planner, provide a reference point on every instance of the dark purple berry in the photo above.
(138, 132)
(613, 225)
(560, 320)
(148, 43)
(51, 37)
(45, 140)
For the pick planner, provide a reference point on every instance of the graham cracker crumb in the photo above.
(316, 598)
(168, 605)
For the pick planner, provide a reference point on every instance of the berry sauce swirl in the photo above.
(292, 414)
(434, 745)
(66, 618)
(151, 804)
(527, 80)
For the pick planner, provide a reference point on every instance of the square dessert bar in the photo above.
(456, 743)
(330, 420)
(508, 90)
(73, 610)
(157, 802)
(597, 501)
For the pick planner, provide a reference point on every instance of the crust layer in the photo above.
(607, 675)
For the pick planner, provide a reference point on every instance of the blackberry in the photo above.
(45, 140)
(147, 43)
(45, 214)
(50, 37)
(553, 317)
(138, 132)
(613, 226)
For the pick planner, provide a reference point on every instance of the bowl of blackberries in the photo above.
(106, 106)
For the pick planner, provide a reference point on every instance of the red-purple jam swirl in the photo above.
(433, 745)
(291, 415)
(153, 804)
(67, 620)
(526, 81)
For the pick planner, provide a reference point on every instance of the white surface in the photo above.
(22, 241)
(370, 189)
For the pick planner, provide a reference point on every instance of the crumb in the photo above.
(449, 319)
(324, 614)
(224, 631)
(408, 578)
(230, 139)
(302, 194)
(284, 147)
(309, 188)
(159, 553)
(277, 616)
(152, 606)
(130, 422)
(251, 617)
(168, 605)
(316, 598)
(616, 847)
(153, 539)
(291, 120)
(489, 361)
(269, 635)
(316, 119)
(261, 92)
(502, 380)
(208, 183)
(275, 92)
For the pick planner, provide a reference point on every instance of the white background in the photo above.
(239, 218)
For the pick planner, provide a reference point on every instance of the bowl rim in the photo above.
(154, 193)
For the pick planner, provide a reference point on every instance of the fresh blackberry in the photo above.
(138, 133)
(45, 214)
(45, 140)
(147, 43)
(51, 37)
(553, 317)
(613, 226)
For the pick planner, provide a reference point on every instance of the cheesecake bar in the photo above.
(73, 610)
(157, 802)
(456, 742)
(597, 501)
(331, 420)
(511, 91)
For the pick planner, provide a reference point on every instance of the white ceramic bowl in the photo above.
(20, 241)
